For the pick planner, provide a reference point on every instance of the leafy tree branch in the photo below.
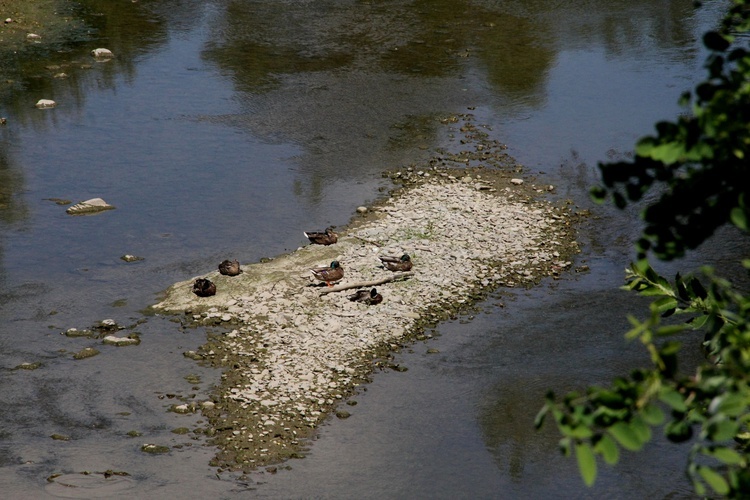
(699, 167)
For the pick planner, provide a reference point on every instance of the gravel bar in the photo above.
(292, 353)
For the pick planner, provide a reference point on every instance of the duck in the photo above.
(326, 237)
(402, 263)
(370, 298)
(204, 288)
(329, 274)
(230, 268)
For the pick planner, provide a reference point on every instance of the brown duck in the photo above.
(402, 263)
(370, 298)
(230, 268)
(204, 288)
(327, 237)
(329, 274)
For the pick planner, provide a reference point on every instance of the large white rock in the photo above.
(91, 206)
(102, 53)
(45, 103)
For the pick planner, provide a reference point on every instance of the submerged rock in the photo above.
(92, 206)
(154, 448)
(131, 258)
(28, 366)
(88, 352)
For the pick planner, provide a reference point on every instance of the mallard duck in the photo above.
(204, 288)
(327, 237)
(402, 263)
(329, 274)
(370, 298)
(230, 268)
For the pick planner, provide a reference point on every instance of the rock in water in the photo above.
(92, 206)
(102, 54)
(45, 104)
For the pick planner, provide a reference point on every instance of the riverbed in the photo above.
(224, 129)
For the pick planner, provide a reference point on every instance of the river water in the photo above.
(223, 129)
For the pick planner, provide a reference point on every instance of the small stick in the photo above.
(362, 284)
(368, 241)
(423, 248)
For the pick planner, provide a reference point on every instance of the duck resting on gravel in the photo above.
(329, 274)
(327, 237)
(370, 298)
(230, 268)
(402, 263)
(204, 288)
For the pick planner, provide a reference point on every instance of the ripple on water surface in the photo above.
(90, 485)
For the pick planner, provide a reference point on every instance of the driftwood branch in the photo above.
(362, 284)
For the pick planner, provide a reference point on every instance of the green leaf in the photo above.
(731, 404)
(586, 463)
(663, 304)
(673, 398)
(608, 449)
(698, 322)
(721, 430)
(715, 480)
(666, 152)
(739, 218)
(652, 415)
(581, 432)
(665, 331)
(626, 436)
(726, 455)
(641, 430)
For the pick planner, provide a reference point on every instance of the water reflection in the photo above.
(12, 208)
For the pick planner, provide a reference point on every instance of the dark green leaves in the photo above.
(714, 41)
(699, 159)
(629, 436)
(699, 164)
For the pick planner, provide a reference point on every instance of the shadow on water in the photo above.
(225, 128)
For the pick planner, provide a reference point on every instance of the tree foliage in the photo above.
(699, 167)
(701, 159)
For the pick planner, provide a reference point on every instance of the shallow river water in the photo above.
(223, 129)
